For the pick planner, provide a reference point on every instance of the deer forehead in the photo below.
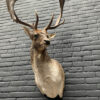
(40, 31)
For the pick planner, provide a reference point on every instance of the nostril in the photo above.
(47, 42)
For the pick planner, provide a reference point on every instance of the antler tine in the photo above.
(48, 26)
(37, 20)
(10, 6)
(58, 19)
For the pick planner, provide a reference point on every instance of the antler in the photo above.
(58, 19)
(10, 6)
(37, 20)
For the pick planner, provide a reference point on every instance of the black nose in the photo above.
(47, 42)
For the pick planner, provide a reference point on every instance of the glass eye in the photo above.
(36, 36)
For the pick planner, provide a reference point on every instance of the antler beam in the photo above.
(10, 5)
(58, 19)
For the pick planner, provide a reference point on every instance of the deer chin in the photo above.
(41, 47)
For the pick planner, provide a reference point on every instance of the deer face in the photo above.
(40, 38)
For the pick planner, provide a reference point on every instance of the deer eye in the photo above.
(36, 36)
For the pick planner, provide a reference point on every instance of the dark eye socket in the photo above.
(36, 36)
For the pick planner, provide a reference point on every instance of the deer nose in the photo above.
(47, 42)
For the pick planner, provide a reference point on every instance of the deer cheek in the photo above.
(36, 44)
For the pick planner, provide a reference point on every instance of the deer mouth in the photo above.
(47, 44)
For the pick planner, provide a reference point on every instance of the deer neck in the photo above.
(39, 58)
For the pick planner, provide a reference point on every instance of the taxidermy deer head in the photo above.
(49, 74)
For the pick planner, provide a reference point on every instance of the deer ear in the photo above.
(51, 36)
(27, 31)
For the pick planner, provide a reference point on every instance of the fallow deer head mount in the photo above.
(34, 26)
(49, 74)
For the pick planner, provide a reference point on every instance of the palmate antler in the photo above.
(10, 5)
